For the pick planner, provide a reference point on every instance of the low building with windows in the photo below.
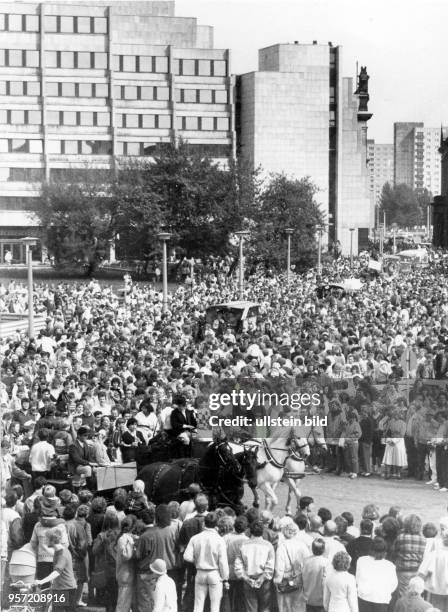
(84, 83)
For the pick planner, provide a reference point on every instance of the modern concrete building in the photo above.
(297, 115)
(427, 168)
(381, 168)
(417, 157)
(404, 153)
(440, 204)
(84, 83)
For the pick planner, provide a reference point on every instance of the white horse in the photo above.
(278, 457)
(295, 470)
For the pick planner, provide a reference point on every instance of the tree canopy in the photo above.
(201, 203)
(401, 205)
(285, 203)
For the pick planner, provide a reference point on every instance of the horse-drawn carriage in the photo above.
(240, 316)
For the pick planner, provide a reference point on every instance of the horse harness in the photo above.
(273, 461)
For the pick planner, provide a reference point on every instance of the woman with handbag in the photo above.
(104, 550)
(289, 558)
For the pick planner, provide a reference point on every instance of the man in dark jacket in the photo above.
(79, 456)
(361, 546)
(145, 554)
(367, 425)
(183, 422)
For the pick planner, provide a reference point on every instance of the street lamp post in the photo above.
(352, 229)
(319, 249)
(164, 237)
(242, 234)
(288, 232)
(29, 242)
(192, 275)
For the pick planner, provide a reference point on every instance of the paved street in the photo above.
(341, 494)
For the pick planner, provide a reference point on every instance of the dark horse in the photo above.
(220, 473)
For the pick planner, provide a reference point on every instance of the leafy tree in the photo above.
(200, 199)
(285, 203)
(76, 218)
(401, 205)
(139, 213)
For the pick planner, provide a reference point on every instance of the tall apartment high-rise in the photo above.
(82, 83)
(417, 157)
(297, 115)
(381, 168)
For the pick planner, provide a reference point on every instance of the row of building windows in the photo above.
(202, 96)
(203, 123)
(141, 92)
(19, 23)
(20, 88)
(58, 147)
(90, 147)
(88, 118)
(75, 25)
(77, 90)
(76, 59)
(164, 121)
(144, 121)
(160, 64)
(20, 117)
(20, 145)
(101, 90)
(140, 63)
(79, 147)
(19, 58)
(53, 24)
(25, 175)
(200, 67)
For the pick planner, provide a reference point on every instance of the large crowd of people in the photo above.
(106, 374)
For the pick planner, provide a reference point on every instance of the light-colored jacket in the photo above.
(340, 592)
(125, 571)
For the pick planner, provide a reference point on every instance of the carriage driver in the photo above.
(183, 423)
(79, 454)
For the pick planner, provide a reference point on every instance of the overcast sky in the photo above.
(404, 45)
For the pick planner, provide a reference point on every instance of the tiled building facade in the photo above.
(83, 84)
(417, 157)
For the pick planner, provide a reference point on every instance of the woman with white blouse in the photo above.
(340, 586)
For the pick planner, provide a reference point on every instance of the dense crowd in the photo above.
(131, 554)
(105, 375)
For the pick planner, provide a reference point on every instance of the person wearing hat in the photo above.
(183, 422)
(79, 456)
(164, 597)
